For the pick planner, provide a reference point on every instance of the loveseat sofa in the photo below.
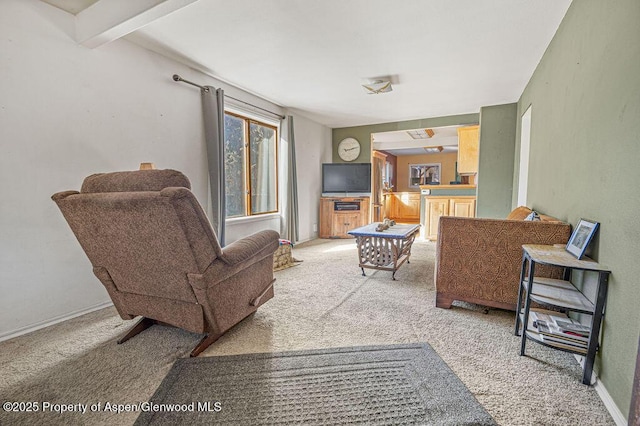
(478, 260)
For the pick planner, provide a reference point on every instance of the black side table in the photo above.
(560, 294)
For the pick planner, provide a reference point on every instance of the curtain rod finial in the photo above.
(176, 77)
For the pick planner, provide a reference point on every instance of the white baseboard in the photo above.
(604, 395)
(611, 406)
(46, 323)
(314, 237)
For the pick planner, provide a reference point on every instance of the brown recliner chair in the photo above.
(151, 245)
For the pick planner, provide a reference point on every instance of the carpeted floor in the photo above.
(373, 385)
(322, 303)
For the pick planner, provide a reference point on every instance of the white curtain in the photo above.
(265, 176)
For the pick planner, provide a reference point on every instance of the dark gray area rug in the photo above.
(395, 384)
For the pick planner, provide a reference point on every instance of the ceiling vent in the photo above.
(433, 149)
(420, 133)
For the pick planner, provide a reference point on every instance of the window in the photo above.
(424, 174)
(250, 166)
(387, 176)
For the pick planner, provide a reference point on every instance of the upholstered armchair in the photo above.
(478, 260)
(152, 247)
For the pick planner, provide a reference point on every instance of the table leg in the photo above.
(527, 306)
(596, 320)
(396, 252)
(519, 304)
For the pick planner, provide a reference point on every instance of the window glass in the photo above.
(424, 174)
(234, 166)
(250, 161)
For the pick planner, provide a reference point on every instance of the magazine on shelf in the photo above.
(549, 329)
(564, 344)
(573, 328)
(547, 325)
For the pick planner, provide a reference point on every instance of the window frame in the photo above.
(424, 167)
(246, 161)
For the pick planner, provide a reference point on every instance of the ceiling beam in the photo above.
(108, 20)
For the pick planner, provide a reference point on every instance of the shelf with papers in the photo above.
(556, 330)
(554, 338)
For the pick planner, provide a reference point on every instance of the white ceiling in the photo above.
(71, 6)
(400, 143)
(444, 57)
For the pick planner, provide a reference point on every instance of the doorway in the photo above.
(525, 143)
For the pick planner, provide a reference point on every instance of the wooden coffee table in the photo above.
(384, 250)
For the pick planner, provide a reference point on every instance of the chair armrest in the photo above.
(58, 196)
(238, 256)
(248, 247)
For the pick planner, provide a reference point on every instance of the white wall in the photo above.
(313, 147)
(66, 112)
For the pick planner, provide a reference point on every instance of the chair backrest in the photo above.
(145, 228)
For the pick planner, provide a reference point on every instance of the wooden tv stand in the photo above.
(338, 215)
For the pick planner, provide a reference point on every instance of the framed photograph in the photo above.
(581, 237)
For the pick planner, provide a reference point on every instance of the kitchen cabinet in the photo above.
(436, 206)
(403, 207)
(462, 207)
(468, 150)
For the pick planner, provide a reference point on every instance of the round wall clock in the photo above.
(349, 149)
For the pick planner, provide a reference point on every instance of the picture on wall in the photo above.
(424, 174)
(581, 237)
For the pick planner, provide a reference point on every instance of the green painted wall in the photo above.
(363, 133)
(495, 169)
(584, 158)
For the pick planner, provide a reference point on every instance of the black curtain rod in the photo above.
(176, 77)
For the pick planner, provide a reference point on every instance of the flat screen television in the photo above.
(342, 178)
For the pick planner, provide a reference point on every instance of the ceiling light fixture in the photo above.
(421, 133)
(433, 149)
(378, 86)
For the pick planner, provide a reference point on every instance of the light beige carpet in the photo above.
(323, 303)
